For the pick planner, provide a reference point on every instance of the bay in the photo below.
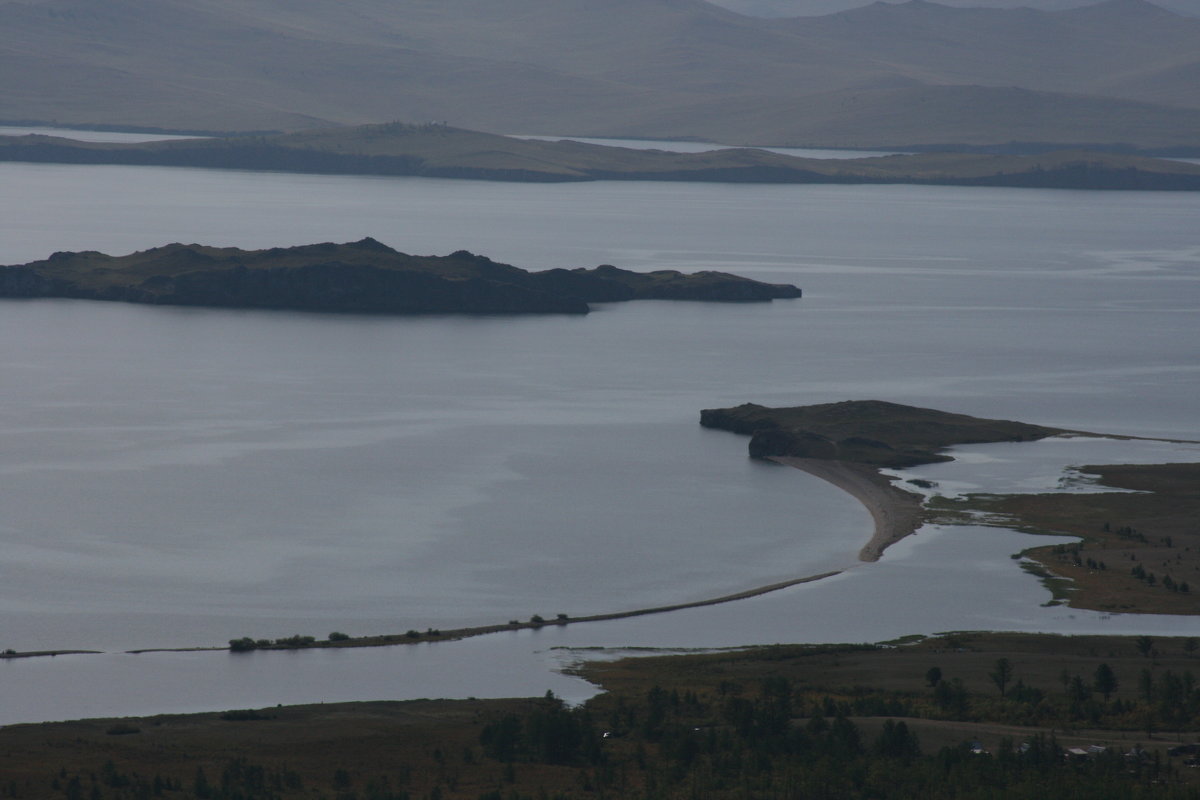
(185, 476)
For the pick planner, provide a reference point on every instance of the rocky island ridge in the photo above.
(366, 276)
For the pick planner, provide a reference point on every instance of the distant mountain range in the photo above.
(896, 76)
(813, 8)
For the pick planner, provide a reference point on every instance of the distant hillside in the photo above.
(1128, 49)
(950, 117)
(359, 277)
(445, 152)
(658, 68)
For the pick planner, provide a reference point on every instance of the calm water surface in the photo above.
(88, 136)
(184, 476)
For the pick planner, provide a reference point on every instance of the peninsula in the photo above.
(846, 444)
(441, 151)
(1139, 549)
(359, 277)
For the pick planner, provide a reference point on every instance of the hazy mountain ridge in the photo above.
(813, 8)
(660, 68)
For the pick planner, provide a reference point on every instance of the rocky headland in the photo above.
(848, 443)
(870, 432)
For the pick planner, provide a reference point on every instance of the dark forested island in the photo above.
(440, 151)
(359, 277)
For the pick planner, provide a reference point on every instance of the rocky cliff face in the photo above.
(358, 277)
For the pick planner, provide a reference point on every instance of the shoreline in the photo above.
(897, 513)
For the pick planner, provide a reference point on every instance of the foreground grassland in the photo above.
(844, 721)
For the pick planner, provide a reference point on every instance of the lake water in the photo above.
(185, 476)
(87, 136)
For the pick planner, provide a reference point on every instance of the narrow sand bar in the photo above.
(897, 513)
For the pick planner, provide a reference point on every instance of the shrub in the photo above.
(296, 641)
(242, 645)
(338, 636)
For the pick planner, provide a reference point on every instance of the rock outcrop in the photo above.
(869, 432)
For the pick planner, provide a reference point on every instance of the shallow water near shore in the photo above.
(1046, 465)
(942, 579)
(186, 476)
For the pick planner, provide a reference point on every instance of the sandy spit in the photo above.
(897, 513)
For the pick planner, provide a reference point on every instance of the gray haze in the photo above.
(878, 77)
(812, 8)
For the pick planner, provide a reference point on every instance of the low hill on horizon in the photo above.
(816, 8)
(440, 151)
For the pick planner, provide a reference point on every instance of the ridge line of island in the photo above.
(845, 444)
(363, 277)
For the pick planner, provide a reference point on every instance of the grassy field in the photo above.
(1139, 551)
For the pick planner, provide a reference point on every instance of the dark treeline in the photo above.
(761, 736)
